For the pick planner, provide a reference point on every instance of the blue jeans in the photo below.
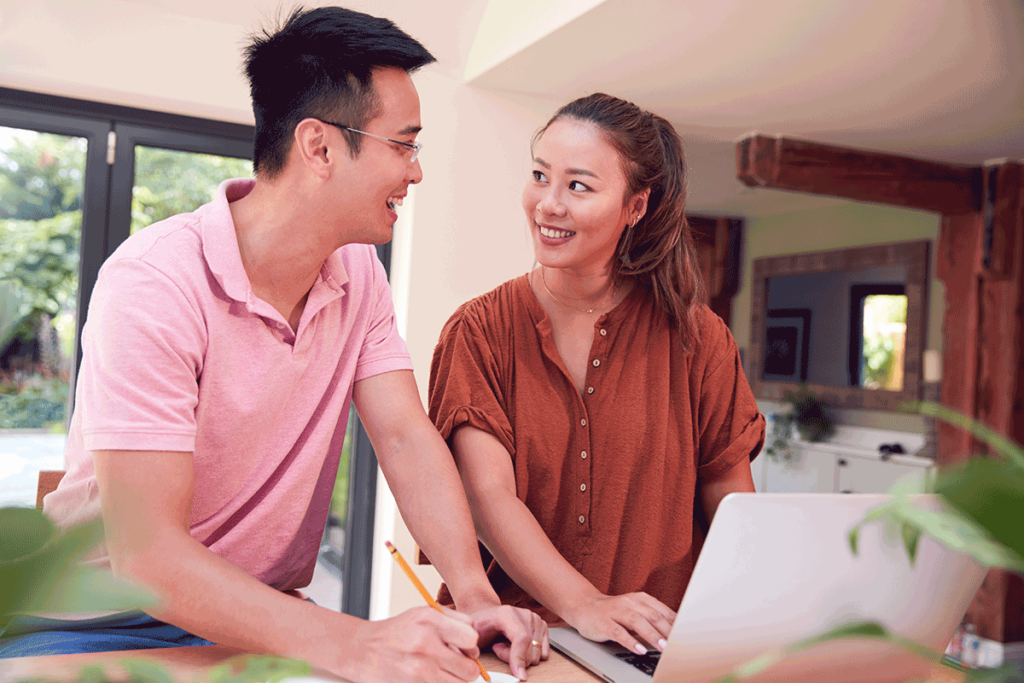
(27, 636)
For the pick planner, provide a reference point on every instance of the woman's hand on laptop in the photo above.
(630, 620)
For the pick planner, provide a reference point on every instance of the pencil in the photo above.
(423, 591)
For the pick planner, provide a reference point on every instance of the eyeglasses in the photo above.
(414, 146)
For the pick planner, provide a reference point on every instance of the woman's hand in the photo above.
(526, 632)
(627, 619)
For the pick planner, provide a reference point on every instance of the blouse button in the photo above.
(596, 362)
(590, 390)
(583, 422)
(583, 455)
(582, 519)
(583, 487)
(604, 333)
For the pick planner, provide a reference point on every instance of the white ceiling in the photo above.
(941, 79)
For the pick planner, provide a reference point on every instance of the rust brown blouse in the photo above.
(612, 474)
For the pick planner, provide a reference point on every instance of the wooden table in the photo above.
(188, 664)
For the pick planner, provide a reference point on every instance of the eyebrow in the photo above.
(569, 171)
(410, 130)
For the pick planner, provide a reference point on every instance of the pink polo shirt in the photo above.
(180, 355)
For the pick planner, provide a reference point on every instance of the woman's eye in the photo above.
(577, 186)
(539, 177)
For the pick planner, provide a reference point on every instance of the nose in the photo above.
(550, 203)
(415, 173)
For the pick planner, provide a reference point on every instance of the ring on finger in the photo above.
(535, 643)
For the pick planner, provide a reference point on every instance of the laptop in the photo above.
(777, 568)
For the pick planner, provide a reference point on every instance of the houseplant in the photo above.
(40, 571)
(808, 414)
(983, 505)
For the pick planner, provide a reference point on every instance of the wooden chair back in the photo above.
(48, 480)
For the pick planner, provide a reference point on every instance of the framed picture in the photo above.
(786, 341)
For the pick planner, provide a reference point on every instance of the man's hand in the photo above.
(420, 645)
(526, 632)
(624, 618)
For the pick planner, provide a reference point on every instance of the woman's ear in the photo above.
(638, 206)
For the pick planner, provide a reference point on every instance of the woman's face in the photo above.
(575, 202)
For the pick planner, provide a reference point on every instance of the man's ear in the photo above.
(309, 145)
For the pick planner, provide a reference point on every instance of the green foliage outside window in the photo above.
(169, 182)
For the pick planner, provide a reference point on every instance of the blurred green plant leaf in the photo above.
(873, 631)
(255, 668)
(40, 570)
(1012, 452)
(991, 493)
(863, 629)
(143, 671)
(947, 525)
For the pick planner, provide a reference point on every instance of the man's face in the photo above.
(378, 179)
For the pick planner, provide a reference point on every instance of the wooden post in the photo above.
(718, 241)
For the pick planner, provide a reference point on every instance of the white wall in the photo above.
(468, 234)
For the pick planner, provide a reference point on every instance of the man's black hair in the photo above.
(319, 64)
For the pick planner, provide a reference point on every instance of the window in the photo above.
(878, 336)
(76, 179)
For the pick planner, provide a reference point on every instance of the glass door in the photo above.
(49, 202)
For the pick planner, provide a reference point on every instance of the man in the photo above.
(221, 354)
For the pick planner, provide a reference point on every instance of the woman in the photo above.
(596, 408)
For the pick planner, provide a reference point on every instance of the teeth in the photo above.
(555, 234)
(395, 201)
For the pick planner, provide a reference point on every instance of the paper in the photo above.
(497, 678)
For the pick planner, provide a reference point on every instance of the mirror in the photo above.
(850, 323)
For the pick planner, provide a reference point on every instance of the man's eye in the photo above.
(539, 177)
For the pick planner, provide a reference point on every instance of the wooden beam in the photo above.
(782, 163)
(1003, 213)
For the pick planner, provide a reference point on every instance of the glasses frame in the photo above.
(414, 146)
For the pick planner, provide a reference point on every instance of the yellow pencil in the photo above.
(423, 591)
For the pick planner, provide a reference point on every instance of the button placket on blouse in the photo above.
(585, 463)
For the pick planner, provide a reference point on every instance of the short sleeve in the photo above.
(466, 379)
(383, 348)
(731, 425)
(140, 363)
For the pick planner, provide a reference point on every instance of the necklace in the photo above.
(544, 281)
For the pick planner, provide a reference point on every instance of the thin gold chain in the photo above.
(544, 281)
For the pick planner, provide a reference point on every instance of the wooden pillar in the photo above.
(980, 254)
(718, 241)
(997, 389)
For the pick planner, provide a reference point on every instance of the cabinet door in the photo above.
(862, 475)
(810, 471)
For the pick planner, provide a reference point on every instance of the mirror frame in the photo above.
(912, 255)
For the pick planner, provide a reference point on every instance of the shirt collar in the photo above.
(220, 245)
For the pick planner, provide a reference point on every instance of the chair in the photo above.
(48, 480)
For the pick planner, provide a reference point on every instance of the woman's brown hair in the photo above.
(658, 250)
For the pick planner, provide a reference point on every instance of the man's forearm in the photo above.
(211, 598)
(429, 493)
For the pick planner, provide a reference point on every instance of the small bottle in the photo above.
(970, 650)
(956, 645)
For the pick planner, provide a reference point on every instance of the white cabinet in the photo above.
(810, 470)
(836, 467)
(864, 475)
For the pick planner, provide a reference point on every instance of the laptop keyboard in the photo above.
(645, 663)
